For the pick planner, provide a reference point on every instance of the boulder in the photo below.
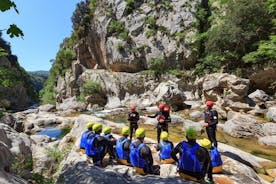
(268, 140)
(222, 86)
(259, 96)
(243, 126)
(71, 103)
(269, 129)
(170, 93)
(8, 178)
(271, 113)
(196, 115)
(47, 107)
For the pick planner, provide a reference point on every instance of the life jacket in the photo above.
(166, 150)
(91, 150)
(161, 117)
(84, 138)
(188, 160)
(215, 157)
(121, 153)
(135, 158)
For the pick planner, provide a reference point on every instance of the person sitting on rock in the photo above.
(140, 155)
(98, 146)
(194, 161)
(86, 134)
(165, 147)
(133, 118)
(214, 154)
(107, 134)
(123, 147)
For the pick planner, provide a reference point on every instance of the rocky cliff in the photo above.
(16, 88)
(128, 35)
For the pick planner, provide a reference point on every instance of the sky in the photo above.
(45, 23)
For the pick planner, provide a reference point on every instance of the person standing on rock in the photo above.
(123, 147)
(210, 122)
(194, 161)
(163, 118)
(86, 134)
(133, 118)
(140, 155)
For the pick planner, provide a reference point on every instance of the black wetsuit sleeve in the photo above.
(145, 153)
(203, 156)
(158, 147)
(154, 116)
(126, 146)
(102, 141)
(175, 151)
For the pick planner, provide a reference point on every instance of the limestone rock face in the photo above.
(16, 91)
(122, 89)
(152, 30)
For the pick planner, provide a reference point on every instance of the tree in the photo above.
(13, 30)
(245, 23)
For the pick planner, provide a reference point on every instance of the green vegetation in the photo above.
(158, 65)
(57, 156)
(117, 28)
(60, 65)
(92, 87)
(265, 52)
(81, 17)
(130, 6)
(236, 35)
(20, 164)
(13, 30)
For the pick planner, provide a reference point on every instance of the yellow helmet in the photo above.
(107, 130)
(164, 135)
(140, 133)
(89, 124)
(191, 133)
(97, 127)
(125, 130)
(206, 143)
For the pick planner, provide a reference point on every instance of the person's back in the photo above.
(165, 147)
(140, 154)
(194, 161)
(123, 147)
(86, 134)
(214, 154)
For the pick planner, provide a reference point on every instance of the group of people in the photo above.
(194, 159)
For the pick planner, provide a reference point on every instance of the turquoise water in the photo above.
(53, 131)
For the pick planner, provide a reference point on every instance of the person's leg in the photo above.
(165, 128)
(159, 128)
(131, 131)
(211, 132)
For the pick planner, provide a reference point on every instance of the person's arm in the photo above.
(158, 147)
(154, 116)
(168, 119)
(175, 151)
(214, 117)
(204, 157)
(126, 146)
(137, 116)
(145, 153)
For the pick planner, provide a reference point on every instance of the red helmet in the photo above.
(132, 107)
(209, 103)
(167, 109)
(161, 106)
